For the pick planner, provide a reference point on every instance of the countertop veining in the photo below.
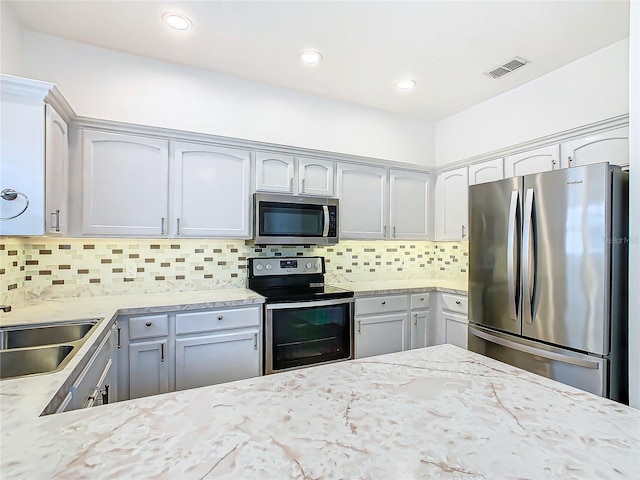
(385, 287)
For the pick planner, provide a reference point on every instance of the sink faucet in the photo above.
(5, 308)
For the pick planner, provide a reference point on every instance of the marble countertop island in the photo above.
(438, 412)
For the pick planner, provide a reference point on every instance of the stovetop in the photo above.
(302, 293)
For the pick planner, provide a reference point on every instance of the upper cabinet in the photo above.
(611, 146)
(210, 191)
(33, 158)
(484, 172)
(287, 174)
(408, 204)
(451, 205)
(539, 160)
(362, 191)
(125, 184)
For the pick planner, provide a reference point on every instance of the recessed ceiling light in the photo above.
(406, 85)
(177, 21)
(311, 57)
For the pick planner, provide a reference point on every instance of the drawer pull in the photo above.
(148, 324)
(422, 299)
(162, 352)
(384, 303)
(458, 302)
(220, 317)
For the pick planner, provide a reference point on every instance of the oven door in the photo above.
(307, 333)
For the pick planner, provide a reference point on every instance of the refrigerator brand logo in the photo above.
(575, 182)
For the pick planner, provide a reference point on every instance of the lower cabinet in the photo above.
(380, 334)
(177, 351)
(455, 324)
(422, 332)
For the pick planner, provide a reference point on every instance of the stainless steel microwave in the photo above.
(294, 220)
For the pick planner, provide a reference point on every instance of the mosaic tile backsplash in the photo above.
(43, 267)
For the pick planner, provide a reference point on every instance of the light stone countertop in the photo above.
(389, 287)
(438, 412)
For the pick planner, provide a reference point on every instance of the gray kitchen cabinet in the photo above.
(380, 325)
(488, 171)
(115, 200)
(453, 312)
(280, 173)
(451, 205)
(408, 205)
(542, 159)
(422, 332)
(611, 146)
(217, 346)
(34, 158)
(210, 191)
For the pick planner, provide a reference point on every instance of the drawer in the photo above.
(382, 304)
(195, 322)
(148, 326)
(419, 301)
(454, 303)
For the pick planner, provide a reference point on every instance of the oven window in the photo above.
(291, 220)
(304, 336)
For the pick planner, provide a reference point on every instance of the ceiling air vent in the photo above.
(508, 67)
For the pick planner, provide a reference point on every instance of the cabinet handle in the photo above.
(161, 225)
(570, 158)
(255, 341)
(415, 319)
(394, 232)
(105, 395)
(162, 352)
(178, 227)
(302, 186)
(384, 231)
(422, 299)
(291, 184)
(220, 317)
(384, 303)
(462, 231)
(458, 302)
(119, 344)
(359, 326)
(148, 324)
(56, 214)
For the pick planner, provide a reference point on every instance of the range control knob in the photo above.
(309, 265)
(317, 265)
(269, 266)
(258, 267)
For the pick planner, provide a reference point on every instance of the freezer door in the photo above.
(581, 371)
(565, 257)
(495, 212)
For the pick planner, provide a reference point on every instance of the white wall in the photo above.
(590, 89)
(111, 85)
(634, 206)
(10, 41)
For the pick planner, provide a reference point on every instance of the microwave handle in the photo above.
(325, 230)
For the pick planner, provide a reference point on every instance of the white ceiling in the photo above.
(368, 46)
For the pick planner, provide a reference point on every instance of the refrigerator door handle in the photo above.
(534, 351)
(513, 251)
(527, 234)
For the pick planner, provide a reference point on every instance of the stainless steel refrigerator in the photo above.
(548, 275)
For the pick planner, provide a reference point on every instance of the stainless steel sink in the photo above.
(44, 334)
(41, 348)
(29, 361)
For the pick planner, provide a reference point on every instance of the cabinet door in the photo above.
(315, 177)
(451, 205)
(57, 172)
(539, 160)
(362, 191)
(148, 368)
(125, 184)
(408, 204)
(486, 171)
(422, 335)
(456, 329)
(275, 173)
(611, 146)
(217, 358)
(210, 191)
(380, 334)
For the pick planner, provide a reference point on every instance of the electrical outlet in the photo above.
(131, 270)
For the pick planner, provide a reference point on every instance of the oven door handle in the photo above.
(311, 304)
